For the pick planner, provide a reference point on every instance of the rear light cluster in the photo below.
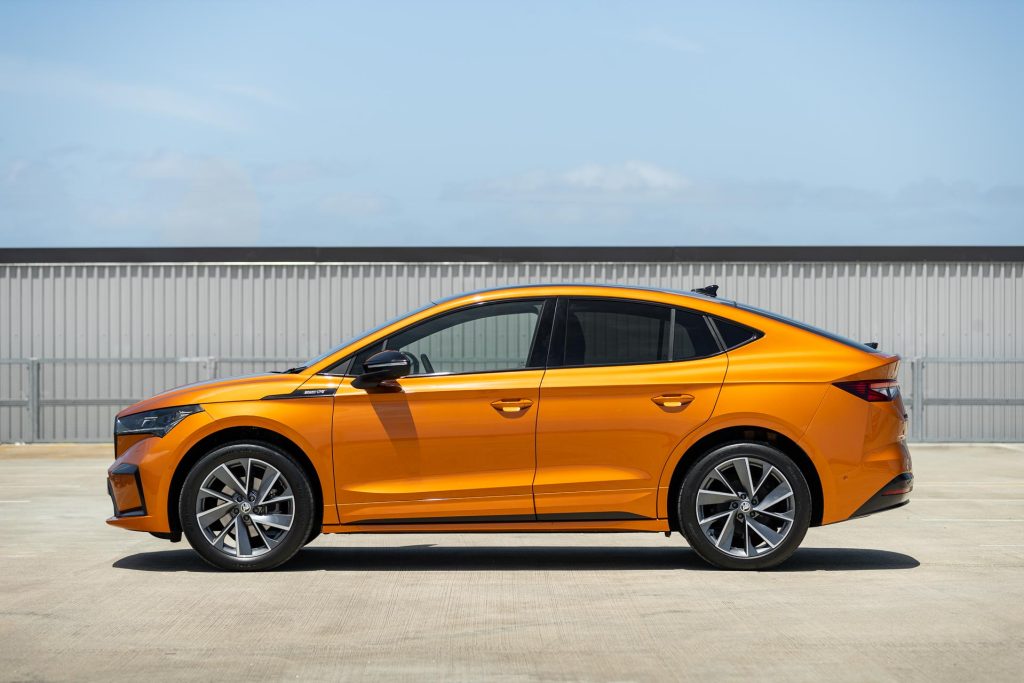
(872, 390)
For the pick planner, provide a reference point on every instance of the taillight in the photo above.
(872, 390)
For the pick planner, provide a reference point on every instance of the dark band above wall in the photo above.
(508, 254)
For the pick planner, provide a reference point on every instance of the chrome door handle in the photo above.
(511, 405)
(673, 400)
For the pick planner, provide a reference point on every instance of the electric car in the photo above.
(548, 408)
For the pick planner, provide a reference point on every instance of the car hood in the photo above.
(245, 388)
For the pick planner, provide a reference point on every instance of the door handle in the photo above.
(511, 405)
(673, 400)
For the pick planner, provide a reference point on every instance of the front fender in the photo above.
(305, 422)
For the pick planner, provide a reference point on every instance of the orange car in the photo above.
(540, 408)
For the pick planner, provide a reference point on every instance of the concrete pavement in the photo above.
(930, 591)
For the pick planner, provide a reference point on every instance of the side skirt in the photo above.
(487, 527)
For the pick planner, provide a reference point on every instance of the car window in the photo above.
(734, 334)
(692, 338)
(610, 332)
(483, 338)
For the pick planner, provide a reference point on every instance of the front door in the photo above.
(634, 378)
(456, 442)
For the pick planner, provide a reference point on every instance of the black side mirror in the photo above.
(382, 367)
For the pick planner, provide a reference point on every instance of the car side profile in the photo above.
(539, 408)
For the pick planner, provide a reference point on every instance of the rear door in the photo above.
(626, 381)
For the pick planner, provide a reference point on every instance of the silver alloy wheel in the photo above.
(746, 507)
(245, 507)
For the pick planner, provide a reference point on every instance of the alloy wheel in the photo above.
(746, 507)
(245, 507)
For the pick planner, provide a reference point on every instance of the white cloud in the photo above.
(630, 181)
(42, 78)
(645, 183)
(200, 200)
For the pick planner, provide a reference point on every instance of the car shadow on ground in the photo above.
(430, 557)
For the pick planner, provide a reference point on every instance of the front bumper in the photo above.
(139, 480)
(893, 495)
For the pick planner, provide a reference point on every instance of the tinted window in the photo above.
(484, 338)
(608, 332)
(691, 337)
(734, 334)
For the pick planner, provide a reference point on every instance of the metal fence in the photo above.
(74, 399)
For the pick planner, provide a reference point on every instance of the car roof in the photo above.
(585, 285)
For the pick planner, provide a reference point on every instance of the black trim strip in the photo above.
(748, 254)
(556, 347)
(893, 495)
(495, 519)
(302, 393)
(541, 337)
(589, 517)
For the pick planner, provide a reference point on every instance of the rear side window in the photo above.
(734, 334)
(692, 337)
(613, 332)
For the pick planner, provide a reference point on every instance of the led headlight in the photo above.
(155, 422)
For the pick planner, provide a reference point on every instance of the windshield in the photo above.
(367, 333)
(807, 328)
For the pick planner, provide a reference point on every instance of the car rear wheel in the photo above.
(246, 506)
(744, 506)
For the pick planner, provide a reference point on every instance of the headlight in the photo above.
(155, 422)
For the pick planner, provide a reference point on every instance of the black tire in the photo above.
(285, 545)
(706, 541)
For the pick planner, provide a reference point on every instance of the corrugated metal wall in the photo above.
(238, 312)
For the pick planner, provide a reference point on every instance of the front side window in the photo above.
(612, 332)
(490, 337)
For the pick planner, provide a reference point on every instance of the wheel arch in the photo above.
(747, 434)
(233, 434)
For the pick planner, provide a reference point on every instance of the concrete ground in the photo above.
(934, 590)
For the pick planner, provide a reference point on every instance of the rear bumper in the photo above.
(893, 495)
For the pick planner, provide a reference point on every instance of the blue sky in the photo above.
(518, 123)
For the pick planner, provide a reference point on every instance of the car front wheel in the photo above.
(246, 506)
(744, 506)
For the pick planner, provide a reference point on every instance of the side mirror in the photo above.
(382, 367)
